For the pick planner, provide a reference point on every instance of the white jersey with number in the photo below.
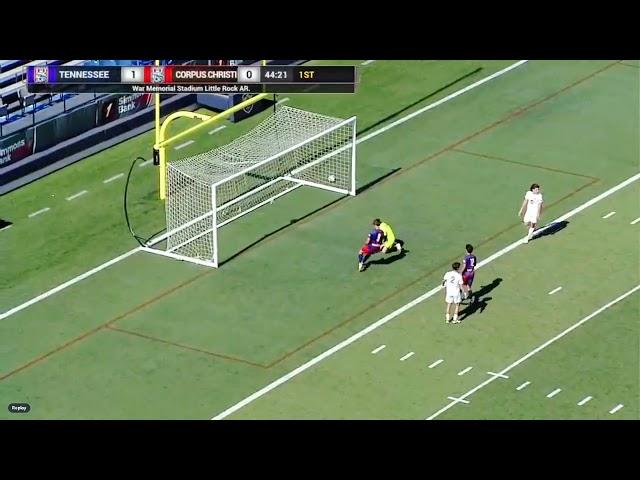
(534, 201)
(452, 285)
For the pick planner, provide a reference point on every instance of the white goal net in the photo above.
(289, 149)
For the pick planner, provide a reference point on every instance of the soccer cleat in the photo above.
(361, 267)
(455, 321)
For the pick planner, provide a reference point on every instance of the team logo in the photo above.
(157, 74)
(41, 74)
(246, 97)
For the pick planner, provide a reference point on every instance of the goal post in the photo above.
(289, 149)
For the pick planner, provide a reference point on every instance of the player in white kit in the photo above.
(532, 209)
(452, 282)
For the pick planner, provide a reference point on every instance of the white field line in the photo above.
(538, 349)
(436, 363)
(115, 177)
(217, 129)
(42, 210)
(76, 195)
(408, 355)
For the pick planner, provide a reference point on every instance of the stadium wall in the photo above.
(37, 151)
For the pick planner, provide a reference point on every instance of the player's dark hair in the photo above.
(469, 248)
(377, 222)
(534, 185)
(456, 265)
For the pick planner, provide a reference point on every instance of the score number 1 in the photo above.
(132, 75)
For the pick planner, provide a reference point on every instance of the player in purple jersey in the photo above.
(373, 245)
(468, 272)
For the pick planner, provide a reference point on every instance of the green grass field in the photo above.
(149, 337)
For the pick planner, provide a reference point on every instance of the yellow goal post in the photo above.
(161, 142)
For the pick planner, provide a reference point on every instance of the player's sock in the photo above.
(447, 317)
(530, 233)
(455, 318)
(361, 258)
(365, 258)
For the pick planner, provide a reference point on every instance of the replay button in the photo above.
(19, 407)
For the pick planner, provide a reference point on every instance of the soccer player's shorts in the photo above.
(369, 249)
(530, 217)
(467, 278)
(449, 298)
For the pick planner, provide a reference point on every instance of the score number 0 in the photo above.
(248, 74)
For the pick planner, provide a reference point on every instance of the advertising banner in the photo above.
(121, 106)
(16, 147)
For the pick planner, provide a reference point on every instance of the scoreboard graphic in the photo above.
(193, 79)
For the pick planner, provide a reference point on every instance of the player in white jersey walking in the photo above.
(452, 282)
(533, 204)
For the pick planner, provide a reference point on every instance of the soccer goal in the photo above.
(289, 149)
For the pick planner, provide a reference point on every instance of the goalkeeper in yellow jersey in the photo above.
(390, 242)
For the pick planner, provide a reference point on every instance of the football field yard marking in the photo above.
(498, 375)
(378, 349)
(635, 221)
(284, 100)
(462, 372)
(610, 214)
(584, 400)
(185, 144)
(539, 348)
(374, 326)
(616, 408)
(76, 195)
(42, 210)
(102, 266)
(408, 355)
(555, 290)
(217, 129)
(523, 385)
(554, 393)
(367, 62)
(436, 363)
(115, 177)
(459, 400)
